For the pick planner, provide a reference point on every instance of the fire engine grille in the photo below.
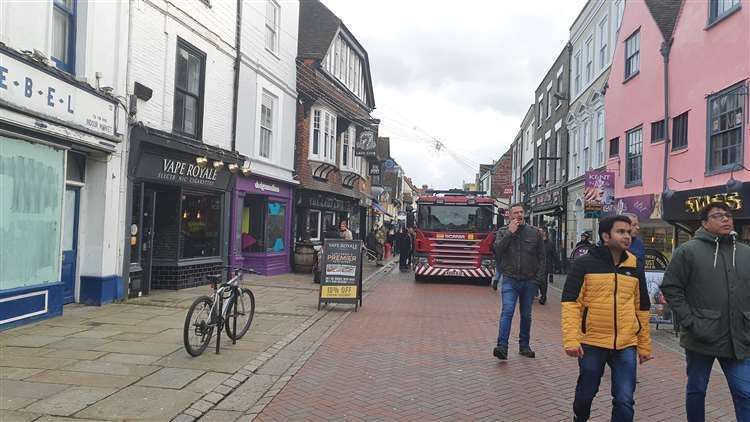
(455, 253)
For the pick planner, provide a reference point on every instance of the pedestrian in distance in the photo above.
(707, 286)
(637, 247)
(521, 250)
(605, 317)
(585, 240)
(344, 231)
(413, 239)
(403, 241)
(380, 237)
(550, 263)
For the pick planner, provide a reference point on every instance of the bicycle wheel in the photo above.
(244, 314)
(198, 329)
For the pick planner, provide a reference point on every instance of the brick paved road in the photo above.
(423, 352)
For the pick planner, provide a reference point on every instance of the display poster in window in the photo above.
(599, 193)
(341, 280)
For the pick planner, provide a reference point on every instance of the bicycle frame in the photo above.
(232, 286)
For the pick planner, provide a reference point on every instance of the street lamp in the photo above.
(669, 193)
(734, 184)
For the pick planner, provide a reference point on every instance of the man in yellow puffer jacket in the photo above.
(605, 317)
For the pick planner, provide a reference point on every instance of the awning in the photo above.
(379, 208)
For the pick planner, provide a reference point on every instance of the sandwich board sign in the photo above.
(341, 272)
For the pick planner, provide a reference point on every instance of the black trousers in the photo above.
(402, 260)
(545, 283)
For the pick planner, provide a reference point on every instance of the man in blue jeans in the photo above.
(605, 316)
(520, 249)
(707, 287)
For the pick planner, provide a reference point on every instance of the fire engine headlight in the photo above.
(422, 260)
(488, 262)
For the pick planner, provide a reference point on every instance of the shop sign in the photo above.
(181, 169)
(35, 90)
(327, 202)
(640, 205)
(599, 192)
(549, 199)
(655, 260)
(341, 280)
(687, 205)
(366, 145)
(263, 187)
(375, 170)
(508, 191)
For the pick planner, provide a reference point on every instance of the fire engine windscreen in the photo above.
(455, 218)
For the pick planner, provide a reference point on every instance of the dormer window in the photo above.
(345, 64)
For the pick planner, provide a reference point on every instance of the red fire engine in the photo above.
(454, 234)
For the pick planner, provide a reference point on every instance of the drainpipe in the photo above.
(237, 63)
(665, 49)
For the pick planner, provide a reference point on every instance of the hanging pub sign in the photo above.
(366, 145)
(687, 205)
(341, 280)
(599, 193)
(375, 170)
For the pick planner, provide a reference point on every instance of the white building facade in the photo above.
(592, 38)
(62, 135)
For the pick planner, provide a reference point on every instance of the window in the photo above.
(577, 80)
(603, 43)
(549, 102)
(539, 167)
(266, 125)
(599, 152)
(188, 95)
(657, 131)
(718, 9)
(201, 225)
(558, 153)
(574, 153)
(323, 136)
(680, 131)
(614, 147)
(263, 223)
(620, 10)
(632, 54)
(633, 166)
(313, 224)
(64, 34)
(540, 111)
(272, 26)
(549, 174)
(559, 89)
(586, 145)
(726, 125)
(589, 59)
(345, 153)
(32, 185)
(346, 64)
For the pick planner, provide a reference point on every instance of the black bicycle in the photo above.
(231, 308)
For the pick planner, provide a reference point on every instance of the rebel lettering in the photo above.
(50, 96)
(3, 72)
(28, 87)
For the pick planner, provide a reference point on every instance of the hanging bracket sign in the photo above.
(341, 280)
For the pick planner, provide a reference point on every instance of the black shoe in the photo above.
(500, 353)
(542, 300)
(526, 351)
(495, 282)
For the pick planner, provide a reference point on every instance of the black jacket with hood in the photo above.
(707, 284)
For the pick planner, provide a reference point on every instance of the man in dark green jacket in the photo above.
(707, 284)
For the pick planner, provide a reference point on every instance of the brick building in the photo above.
(335, 134)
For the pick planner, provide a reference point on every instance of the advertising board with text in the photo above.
(341, 280)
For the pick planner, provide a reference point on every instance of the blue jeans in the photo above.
(737, 373)
(513, 291)
(623, 365)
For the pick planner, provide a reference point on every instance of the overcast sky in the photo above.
(463, 72)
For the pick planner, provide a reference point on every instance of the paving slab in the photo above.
(229, 361)
(31, 340)
(111, 368)
(64, 419)
(138, 348)
(29, 389)
(245, 396)
(33, 362)
(88, 379)
(22, 351)
(136, 402)
(129, 358)
(17, 416)
(78, 343)
(221, 416)
(69, 401)
(97, 333)
(207, 382)
(74, 354)
(8, 402)
(52, 330)
(170, 378)
(17, 373)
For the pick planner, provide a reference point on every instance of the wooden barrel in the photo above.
(304, 255)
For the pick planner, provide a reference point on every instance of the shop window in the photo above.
(31, 199)
(188, 84)
(64, 34)
(329, 220)
(263, 225)
(135, 225)
(313, 224)
(76, 167)
(201, 225)
(166, 224)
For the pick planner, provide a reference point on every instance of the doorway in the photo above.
(72, 205)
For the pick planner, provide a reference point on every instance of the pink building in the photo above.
(707, 127)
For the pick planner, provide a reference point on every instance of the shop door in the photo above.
(70, 242)
(147, 241)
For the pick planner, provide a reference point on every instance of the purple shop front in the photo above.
(261, 225)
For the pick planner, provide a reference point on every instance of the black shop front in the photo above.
(179, 211)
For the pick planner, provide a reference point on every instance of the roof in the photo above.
(484, 168)
(665, 14)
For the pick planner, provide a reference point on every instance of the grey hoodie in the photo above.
(707, 284)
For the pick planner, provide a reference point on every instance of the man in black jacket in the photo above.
(707, 285)
(521, 250)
